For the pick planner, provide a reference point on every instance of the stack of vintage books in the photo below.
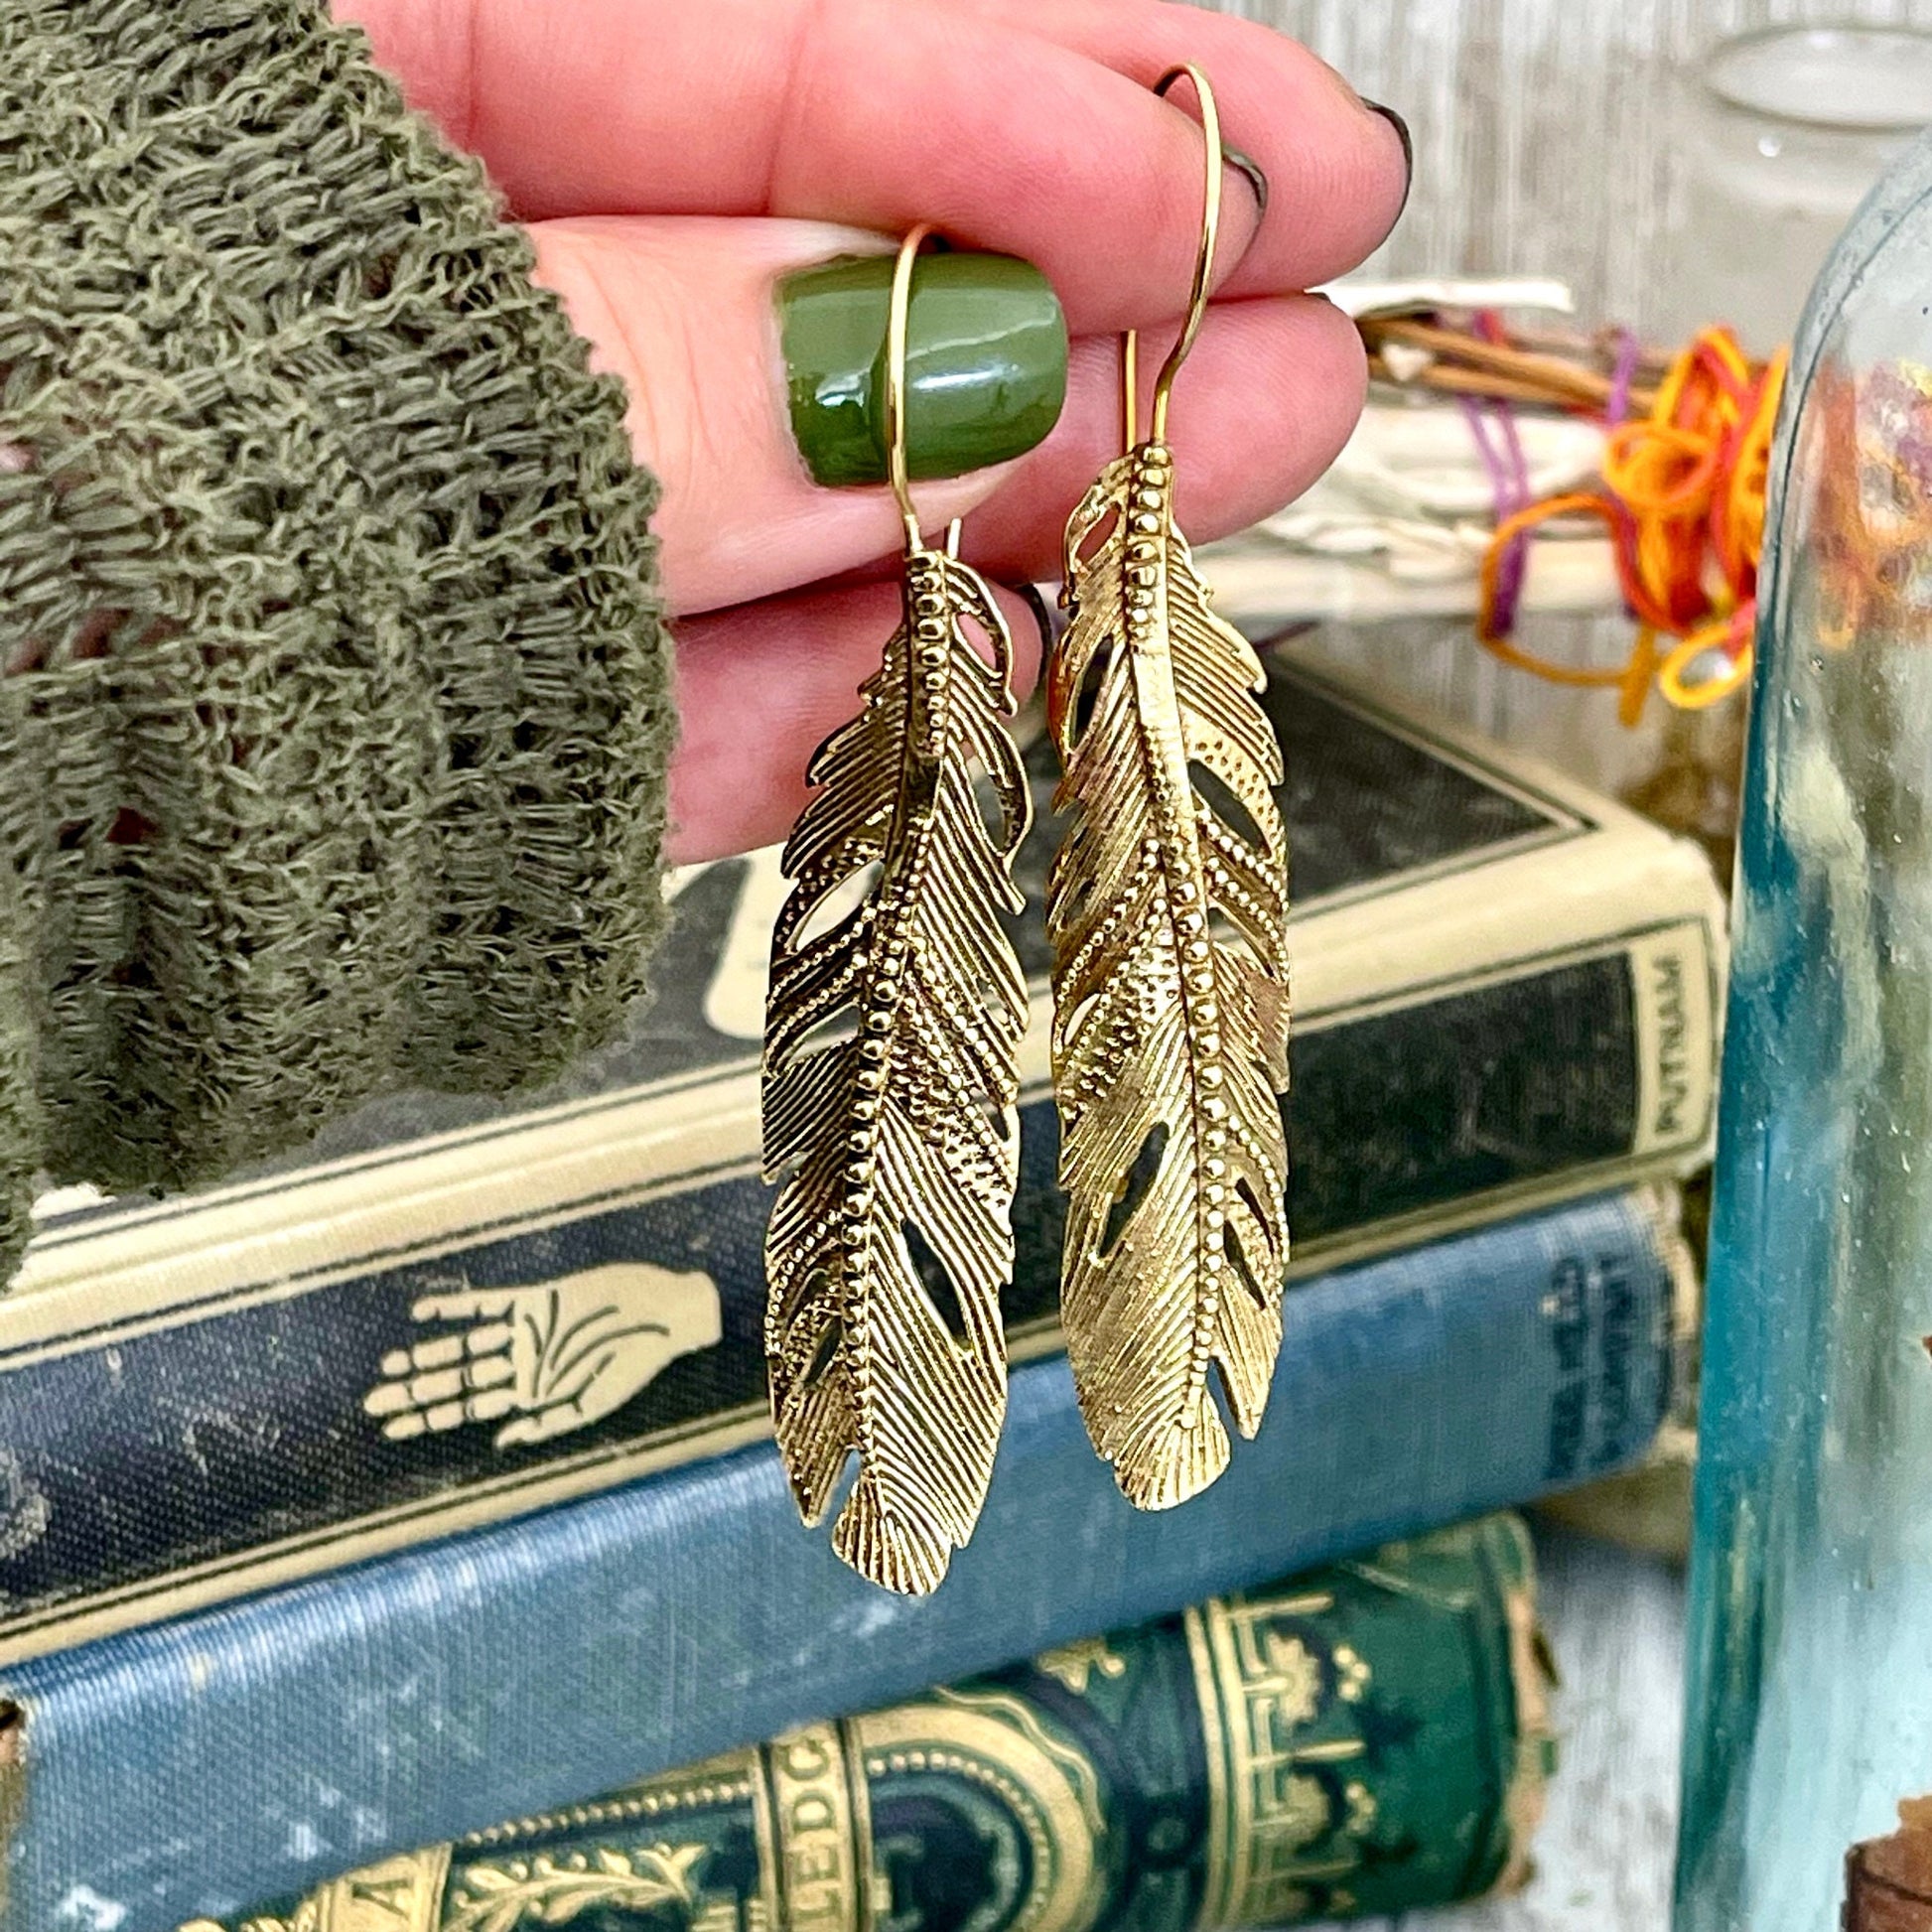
(351, 1511)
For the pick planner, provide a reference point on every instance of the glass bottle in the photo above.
(1809, 1713)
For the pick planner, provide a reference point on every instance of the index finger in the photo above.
(1287, 110)
(881, 114)
(465, 1306)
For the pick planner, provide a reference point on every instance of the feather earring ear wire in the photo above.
(1166, 911)
(891, 1047)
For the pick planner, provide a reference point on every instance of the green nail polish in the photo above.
(984, 363)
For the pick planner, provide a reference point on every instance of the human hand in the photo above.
(547, 1358)
(673, 161)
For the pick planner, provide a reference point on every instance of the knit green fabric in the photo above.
(334, 688)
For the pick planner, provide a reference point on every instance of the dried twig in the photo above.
(1460, 363)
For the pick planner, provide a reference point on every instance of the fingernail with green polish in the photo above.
(984, 363)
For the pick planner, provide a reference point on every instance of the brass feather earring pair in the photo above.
(894, 1024)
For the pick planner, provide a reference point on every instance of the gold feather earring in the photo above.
(1166, 911)
(890, 1049)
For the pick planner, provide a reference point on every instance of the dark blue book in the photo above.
(256, 1749)
(445, 1315)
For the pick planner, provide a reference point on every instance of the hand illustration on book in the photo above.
(546, 1358)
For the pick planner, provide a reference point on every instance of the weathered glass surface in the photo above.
(1811, 1696)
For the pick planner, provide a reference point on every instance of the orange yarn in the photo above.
(1682, 498)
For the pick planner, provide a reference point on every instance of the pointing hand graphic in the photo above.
(547, 1358)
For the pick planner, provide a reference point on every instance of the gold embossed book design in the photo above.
(1370, 1738)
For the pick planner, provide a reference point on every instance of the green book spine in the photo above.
(1369, 1738)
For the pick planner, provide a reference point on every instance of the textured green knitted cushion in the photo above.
(334, 688)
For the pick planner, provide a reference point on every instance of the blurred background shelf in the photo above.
(1550, 142)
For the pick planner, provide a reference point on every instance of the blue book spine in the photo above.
(250, 1751)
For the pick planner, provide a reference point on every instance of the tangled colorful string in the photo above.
(1683, 500)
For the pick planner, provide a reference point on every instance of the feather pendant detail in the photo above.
(890, 1079)
(1165, 913)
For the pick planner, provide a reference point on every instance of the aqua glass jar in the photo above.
(1810, 1702)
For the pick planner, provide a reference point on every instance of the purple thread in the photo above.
(1509, 484)
(1624, 373)
(1517, 565)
